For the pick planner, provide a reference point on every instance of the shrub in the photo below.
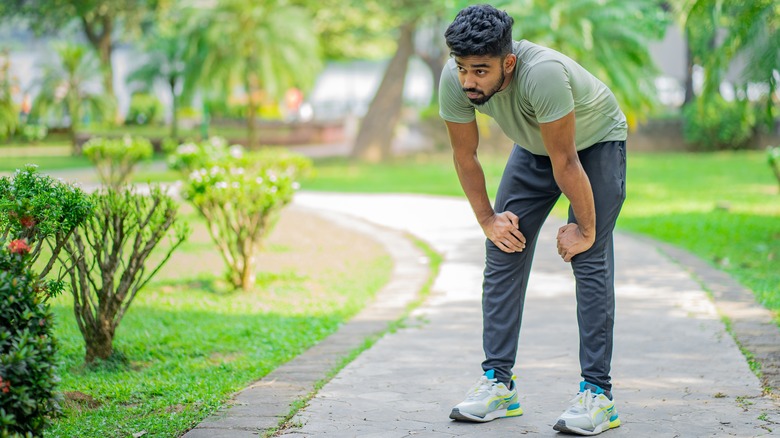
(145, 109)
(190, 156)
(115, 159)
(109, 255)
(27, 348)
(240, 199)
(33, 132)
(773, 157)
(716, 123)
(42, 211)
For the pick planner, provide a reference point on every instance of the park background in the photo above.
(352, 87)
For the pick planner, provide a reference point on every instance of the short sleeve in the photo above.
(454, 106)
(549, 91)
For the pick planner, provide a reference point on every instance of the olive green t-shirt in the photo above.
(546, 85)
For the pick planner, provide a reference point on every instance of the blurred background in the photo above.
(360, 78)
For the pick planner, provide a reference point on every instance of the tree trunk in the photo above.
(101, 42)
(251, 112)
(99, 340)
(436, 65)
(247, 275)
(375, 136)
(174, 110)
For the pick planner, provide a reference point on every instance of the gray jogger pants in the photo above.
(528, 189)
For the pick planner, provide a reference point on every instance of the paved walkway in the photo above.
(676, 371)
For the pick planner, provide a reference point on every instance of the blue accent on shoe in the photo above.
(490, 374)
(593, 388)
(513, 406)
(613, 418)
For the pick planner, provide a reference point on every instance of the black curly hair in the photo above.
(480, 30)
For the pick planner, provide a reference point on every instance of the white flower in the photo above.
(273, 189)
(296, 185)
(236, 170)
(221, 185)
(236, 151)
(235, 184)
(187, 149)
(259, 180)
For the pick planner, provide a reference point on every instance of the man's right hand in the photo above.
(503, 230)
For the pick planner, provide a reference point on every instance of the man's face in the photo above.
(481, 76)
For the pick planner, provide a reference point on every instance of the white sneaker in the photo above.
(591, 412)
(488, 400)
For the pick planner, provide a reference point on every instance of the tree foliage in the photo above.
(101, 21)
(264, 48)
(174, 56)
(607, 37)
(718, 34)
(9, 119)
(65, 91)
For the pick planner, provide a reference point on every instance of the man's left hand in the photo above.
(571, 241)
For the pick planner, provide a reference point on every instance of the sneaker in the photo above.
(591, 412)
(488, 400)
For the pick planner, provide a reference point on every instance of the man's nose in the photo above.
(468, 81)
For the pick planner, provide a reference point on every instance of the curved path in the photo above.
(676, 371)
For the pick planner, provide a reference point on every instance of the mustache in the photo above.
(471, 90)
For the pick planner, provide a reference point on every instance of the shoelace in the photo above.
(483, 385)
(584, 399)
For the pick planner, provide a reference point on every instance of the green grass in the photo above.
(187, 344)
(724, 207)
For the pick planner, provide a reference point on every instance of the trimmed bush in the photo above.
(773, 157)
(716, 123)
(191, 156)
(27, 348)
(115, 159)
(109, 255)
(145, 109)
(240, 198)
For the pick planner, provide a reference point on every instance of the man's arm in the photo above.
(500, 228)
(558, 137)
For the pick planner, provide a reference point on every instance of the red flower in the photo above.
(4, 386)
(27, 221)
(19, 246)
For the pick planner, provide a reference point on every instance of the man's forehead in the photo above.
(478, 61)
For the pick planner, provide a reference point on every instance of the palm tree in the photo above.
(607, 37)
(173, 60)
(64, 89)
(9, 119)
(264, 48)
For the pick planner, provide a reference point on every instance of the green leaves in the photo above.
(27, 364)
(607, 37)
(42, 210)
(116, 158)
(239, 194)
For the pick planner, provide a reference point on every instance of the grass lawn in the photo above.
(189, 343)
(724, 207)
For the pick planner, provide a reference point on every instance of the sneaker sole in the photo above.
(456, 414)
(561, 426)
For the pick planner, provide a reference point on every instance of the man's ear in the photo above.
(510, 62)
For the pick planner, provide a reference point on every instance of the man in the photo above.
(570, 138)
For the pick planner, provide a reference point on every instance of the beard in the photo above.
(483, 98)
